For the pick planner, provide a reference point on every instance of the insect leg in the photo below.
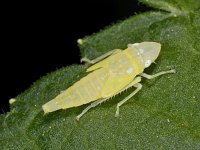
(139, 87)
(157, 74)
(90, 106)
(85, 59)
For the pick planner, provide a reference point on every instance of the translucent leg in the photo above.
(139, 87)
(94, 104)
(157, 74)
(89, 107)
(85, 59)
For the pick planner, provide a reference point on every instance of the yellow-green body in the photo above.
(111, 74)
(106, 78)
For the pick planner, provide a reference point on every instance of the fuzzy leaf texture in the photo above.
(165, 114)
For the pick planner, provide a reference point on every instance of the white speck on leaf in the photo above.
(12, 100)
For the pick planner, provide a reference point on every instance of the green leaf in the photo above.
(165, 114)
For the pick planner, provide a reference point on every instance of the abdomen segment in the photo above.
(86, 90)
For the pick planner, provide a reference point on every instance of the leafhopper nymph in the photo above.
(109, 75)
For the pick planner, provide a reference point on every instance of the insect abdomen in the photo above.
(84, 91)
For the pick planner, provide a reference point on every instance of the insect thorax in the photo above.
(135, 57)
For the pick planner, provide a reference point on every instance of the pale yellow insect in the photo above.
(111, 74)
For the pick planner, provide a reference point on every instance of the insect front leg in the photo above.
(94, 104)
(157, 74)
(139, 87)
(85, 59)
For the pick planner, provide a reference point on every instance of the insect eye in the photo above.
(147, 63)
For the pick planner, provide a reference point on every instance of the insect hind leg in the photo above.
(139, 87)
(94, 104)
